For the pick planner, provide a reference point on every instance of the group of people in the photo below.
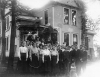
(46, 57)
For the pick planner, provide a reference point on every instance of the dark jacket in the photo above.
(66, 56)
(72, 55)
(61, 55)
(84, 56)
(77, 55)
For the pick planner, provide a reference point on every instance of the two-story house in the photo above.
(64, 16)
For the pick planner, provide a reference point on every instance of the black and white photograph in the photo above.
(49, 38)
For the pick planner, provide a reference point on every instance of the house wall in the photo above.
(59, 22)
(7, 35)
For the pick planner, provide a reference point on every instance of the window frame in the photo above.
(7, 23)
(71, 17)
(7, 42)
(65, 15)
(76, 38)
(47, 16)
(68, 38)
(87, 43)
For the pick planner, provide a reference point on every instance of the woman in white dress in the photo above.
(34, 56)
(54, 58)
(23, 56)
(46, 58)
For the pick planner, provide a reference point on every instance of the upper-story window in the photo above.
(66, 16)
(46, 16)
(74, 17)
(86, 43)
(7, 22)
(7, 40)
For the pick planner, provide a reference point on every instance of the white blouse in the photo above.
(54, 53)
(46, 52)
(34, 50)
(23, 50)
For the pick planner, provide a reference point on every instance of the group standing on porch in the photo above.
(38, 56)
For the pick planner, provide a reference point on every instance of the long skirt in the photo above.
(53, 62)
(35, 62)
(47, 63)
(23, 62)
(40, 64)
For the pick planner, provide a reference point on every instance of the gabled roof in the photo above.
(68, 2)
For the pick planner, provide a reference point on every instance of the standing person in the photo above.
(28, 44)
(42, 41)
(61, 56)
(67, 58)
(83, 59)
(72, 56)
(23, 56)
(64, 44)
(34, 57)
(46, 58)
(77, 60)
(38, 42)
(40, 58)
(54, 59)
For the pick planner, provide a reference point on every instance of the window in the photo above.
(7, 22)
(66, 39)
(74, 17)
(75, 39)
(7, 43)
(86, 43)
(54, 38)
(66, 16)
(46, 16)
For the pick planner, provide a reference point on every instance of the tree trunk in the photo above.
(2, 7)
(12, 40)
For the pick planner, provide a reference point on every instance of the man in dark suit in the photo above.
(66, 58)
(83, 58)
(61, 64)
(77, 60)
(71, 56)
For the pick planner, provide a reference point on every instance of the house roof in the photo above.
(68, 2)
(91, 32)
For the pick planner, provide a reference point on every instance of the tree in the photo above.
(4, 4)
(2, 12)
(12, 39)
(84, 29)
